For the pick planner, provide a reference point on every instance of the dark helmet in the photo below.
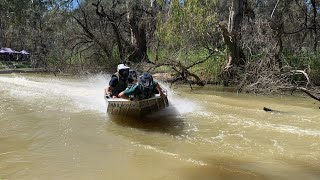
(146, 80)
(133, 75)
(124, 73)
(123, 70)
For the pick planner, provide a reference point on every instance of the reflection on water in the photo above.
(167, 120)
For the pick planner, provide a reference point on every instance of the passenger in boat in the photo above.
(118, 83)
(144, 89)
(132, 78)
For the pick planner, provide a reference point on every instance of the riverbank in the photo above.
(22, 70)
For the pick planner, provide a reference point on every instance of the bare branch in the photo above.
(274, 8)
(304, 73)
(309, 93)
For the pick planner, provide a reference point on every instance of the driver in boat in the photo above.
(118, 83)
(144, 89)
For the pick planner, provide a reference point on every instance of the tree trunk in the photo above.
(232, 36)
(279, 30)
(118, 39)
(314, 24)
(139, 34)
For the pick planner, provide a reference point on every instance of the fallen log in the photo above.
(270, 110)
(309, 93)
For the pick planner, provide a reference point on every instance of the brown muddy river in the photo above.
(57, 128)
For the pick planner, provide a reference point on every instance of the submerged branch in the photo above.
(309, 93)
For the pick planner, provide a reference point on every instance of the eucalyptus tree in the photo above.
(13, 21)
(116, 31)
(279, 41)
(187, 36)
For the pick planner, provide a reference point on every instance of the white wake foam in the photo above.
(84, 93)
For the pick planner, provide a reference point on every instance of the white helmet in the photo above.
(123, 70)
(122, 66)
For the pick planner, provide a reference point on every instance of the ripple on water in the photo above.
(173, 155)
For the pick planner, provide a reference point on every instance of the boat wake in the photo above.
(181, 105)
(74, 94)
(70, 94)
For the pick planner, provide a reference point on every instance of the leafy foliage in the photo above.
(188, 26)
(95, 35)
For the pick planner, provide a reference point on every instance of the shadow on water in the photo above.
(167, 120)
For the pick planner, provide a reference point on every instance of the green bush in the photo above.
(304, 60)
(2, 66)
(22, 66)
(207, 71)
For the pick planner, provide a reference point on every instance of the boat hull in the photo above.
(123, 107)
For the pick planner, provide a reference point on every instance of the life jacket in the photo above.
(121, 86)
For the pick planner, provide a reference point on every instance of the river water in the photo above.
(57, 128)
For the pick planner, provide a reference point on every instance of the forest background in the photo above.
(259, 46)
